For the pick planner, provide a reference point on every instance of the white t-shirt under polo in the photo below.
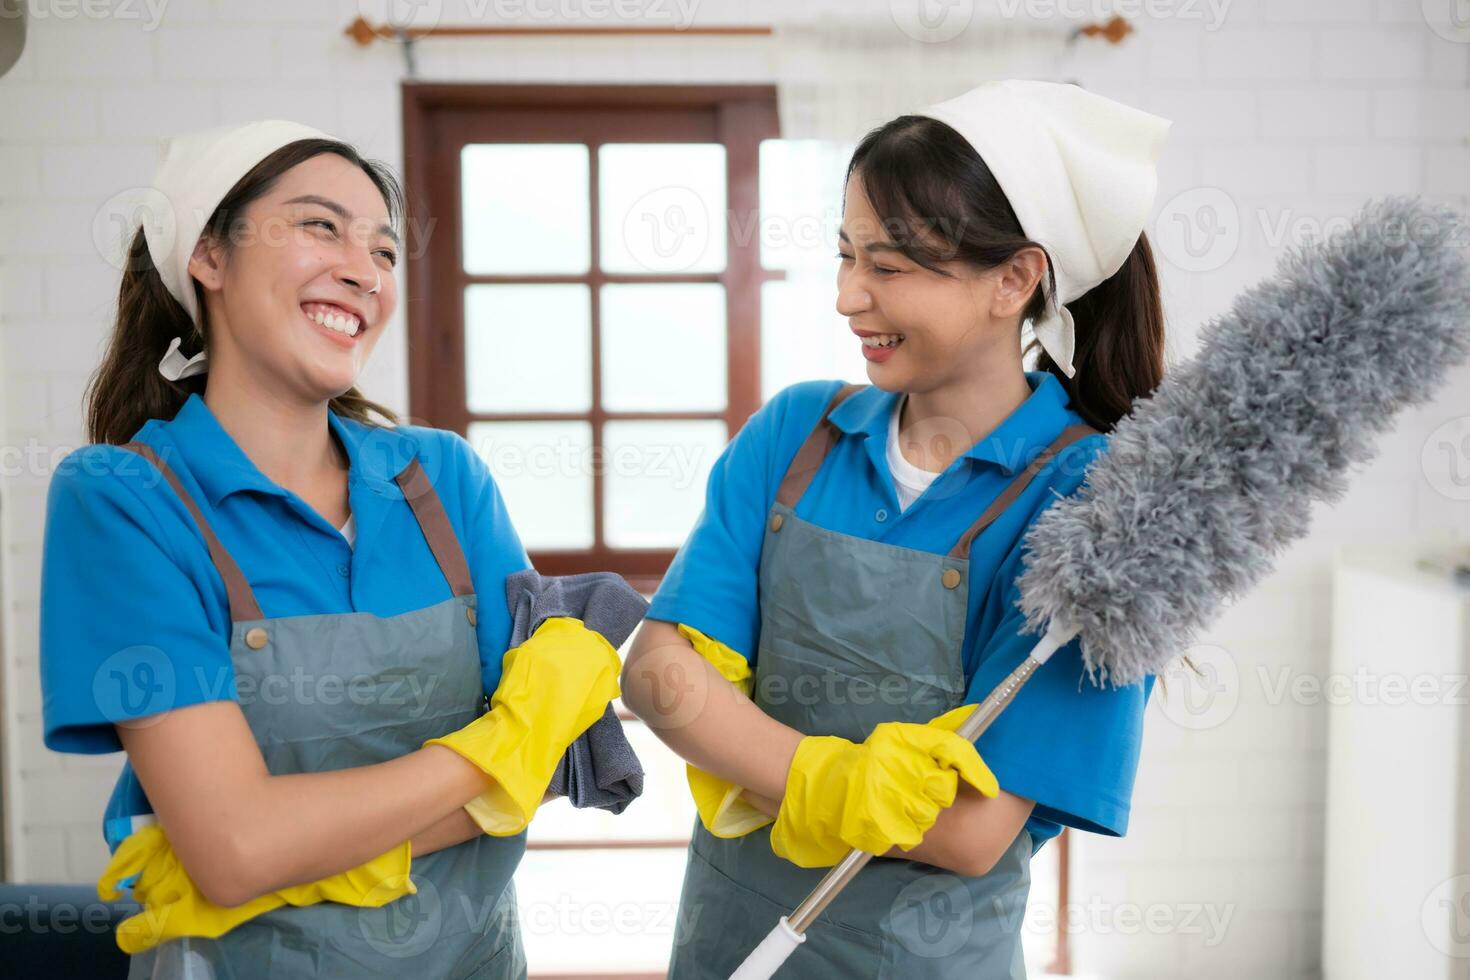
(909, 480)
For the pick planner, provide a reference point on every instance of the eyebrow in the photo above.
(341, 212)
(871, 246)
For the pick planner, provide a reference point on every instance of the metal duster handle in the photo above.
(761, 963)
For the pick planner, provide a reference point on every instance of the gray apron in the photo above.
(332, 691)
(853, 633)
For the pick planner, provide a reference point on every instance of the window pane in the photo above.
(802, 334)
(1039, 934)
(528, 348)
(543, 470)
(663, 347)
(656, 472)
(600, 912)
(525, 208)
(662, 207)
(801, 185)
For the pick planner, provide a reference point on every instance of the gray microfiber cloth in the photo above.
(600, 768)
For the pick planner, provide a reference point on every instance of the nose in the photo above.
(362, 278)
(356, 269)
(852, 298)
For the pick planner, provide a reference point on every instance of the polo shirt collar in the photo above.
(1033, 425)
(375, 453)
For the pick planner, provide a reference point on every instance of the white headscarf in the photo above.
(1078, 170)
(195, 172)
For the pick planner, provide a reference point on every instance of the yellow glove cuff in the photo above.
(731, 665)
(496, 813)
(370, 885)
(722, 810)
(808, 824)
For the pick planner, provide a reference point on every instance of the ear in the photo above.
(207, 263)
(1017, 279)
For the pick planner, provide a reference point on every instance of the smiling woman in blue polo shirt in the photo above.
(848, 593)
(270, 601)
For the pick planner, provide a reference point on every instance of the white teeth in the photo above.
(882, 340)
(342, 323)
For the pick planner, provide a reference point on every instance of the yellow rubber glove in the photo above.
(552, 688)
(173, 906)
(886, 791)
(722, 810)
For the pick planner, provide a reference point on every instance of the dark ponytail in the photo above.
(126, 390)
(939, 201)
(1119, 352)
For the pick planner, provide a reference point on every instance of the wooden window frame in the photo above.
(440, 118)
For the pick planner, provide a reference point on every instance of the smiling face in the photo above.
(923, 328)
(304, 290)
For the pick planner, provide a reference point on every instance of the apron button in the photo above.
(951, 578)
(469, 613)
(256, 637)
(776, 521)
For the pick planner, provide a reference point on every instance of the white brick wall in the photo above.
(1298, 110)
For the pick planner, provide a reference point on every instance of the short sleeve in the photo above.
(1071, 746)
(494, 552)
(126, 630)
(711, 583)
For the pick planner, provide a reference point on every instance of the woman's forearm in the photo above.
(971, 834)
(452, 831)
(703, 717)
(343, 818)
(447, 832)
(241, 832)
(707, 721)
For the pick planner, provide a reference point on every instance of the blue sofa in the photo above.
(60, 931)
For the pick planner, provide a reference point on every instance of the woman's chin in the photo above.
(886, 375)
(330, 380)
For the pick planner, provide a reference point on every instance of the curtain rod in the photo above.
(365, 33)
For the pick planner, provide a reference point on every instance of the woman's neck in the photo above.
(291, 443)
(976, 406)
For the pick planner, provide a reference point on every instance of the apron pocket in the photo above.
(507, 963)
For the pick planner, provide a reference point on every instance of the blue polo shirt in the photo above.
(134, 615)
(1070, 746)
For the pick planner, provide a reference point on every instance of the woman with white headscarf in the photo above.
(849, 593)
(271, 601)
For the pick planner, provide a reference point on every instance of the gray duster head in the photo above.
(1206, 481)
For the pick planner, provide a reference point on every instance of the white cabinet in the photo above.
(1396, 902)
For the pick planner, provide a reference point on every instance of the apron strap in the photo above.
(1069, 435)
(809, 457)
(242, 598)
(429, 511)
